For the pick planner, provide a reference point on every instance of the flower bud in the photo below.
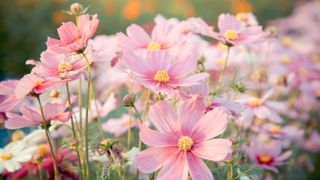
(76, 9)
(73, 143)
(129, 100)
(54, 93)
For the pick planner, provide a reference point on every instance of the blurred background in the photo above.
(25, 24)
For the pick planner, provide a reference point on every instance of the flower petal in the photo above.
(198, 169)
(214, 150)
(155, 138)
(177, 167)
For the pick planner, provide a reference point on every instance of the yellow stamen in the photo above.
(275, 129)
(6, 157)
(43, 150)
(265, 158)
(17, 135)
(185, 143)
(231, 34)
(64, 67)
(255, 102)
(161, 76)
(154, 46)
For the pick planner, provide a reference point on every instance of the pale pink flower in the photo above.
(32, 116)
(267, 154)
(183, 139)
(31, 83)
(158, 73)
(163, 37)
(58, 67)
(313, 142)
(101, 110)
(73, 38)
(288, 132)
(8, 98)
(262, 108)
(234, 32)
(119, 126)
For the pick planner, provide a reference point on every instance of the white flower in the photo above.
(13, 154)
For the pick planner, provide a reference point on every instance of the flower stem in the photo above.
(223, 73)
(230, 170)
(73, 128)
(46, 128)
(87, 114)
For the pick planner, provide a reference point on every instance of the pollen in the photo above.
(162, 76)
(265, 158)
(6, 157)
(64, 67)
(185, 143)
(275, 130)
(231, 34)
(154, 46)
(43, 150)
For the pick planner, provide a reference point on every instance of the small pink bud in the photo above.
(76, 8)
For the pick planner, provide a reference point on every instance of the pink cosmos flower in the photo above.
(262, 108)
(32, 117)
(119, 126)
(288, 132)
(73, 38)
(313, 142)
(101, 110)
(58, 67)
(182, 140)
(163, 37)
(267, 155)
(8, 100)
(234, 32)
(31, 83)
(158, 73)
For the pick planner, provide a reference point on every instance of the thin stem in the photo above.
(223, 73)
(97, 111)
(73, 129)
(129, 130)
(116, 162)
(80, 101)
(230, 170)
(46, 128)
(87, 114)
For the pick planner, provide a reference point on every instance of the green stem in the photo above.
(230, 170)
(46, 128)
(73, 129)
(223, 73)
(116, 162)
(87, 115)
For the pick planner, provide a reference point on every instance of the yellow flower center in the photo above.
(43, 150)
(231, 34)
(64, 67)
(17, 135)
(161, 76)
(255, 102)
(6, 157)
(154, 46)
(185, 143)
(265, 158)
(275, 129)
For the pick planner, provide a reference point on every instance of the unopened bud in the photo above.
(73, 143)
(129, 100)
(76, 9)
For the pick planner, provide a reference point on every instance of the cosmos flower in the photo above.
(158, 73)
(32, 117)
(182, 140)
(8, 100)
(58, 67)
(119, 126)
(163, 37)
(13, 154)
(233, 32)
(267, 154)
(74, 38)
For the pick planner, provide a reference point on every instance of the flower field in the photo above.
(173, 99)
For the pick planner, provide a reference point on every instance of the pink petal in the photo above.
(137, 34)
(198, 169)
(25, 85)
(68, 32)
(152, 159)
(210, 125)
(160, 31)
(189, 81)
(164, 117)
(229, 22)
(136, 64)
(183, 67)
(155, 138)
(284, 156)
(214, 150)
(177, 167)
(126, 43)
(190, 113)
(16, 121)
